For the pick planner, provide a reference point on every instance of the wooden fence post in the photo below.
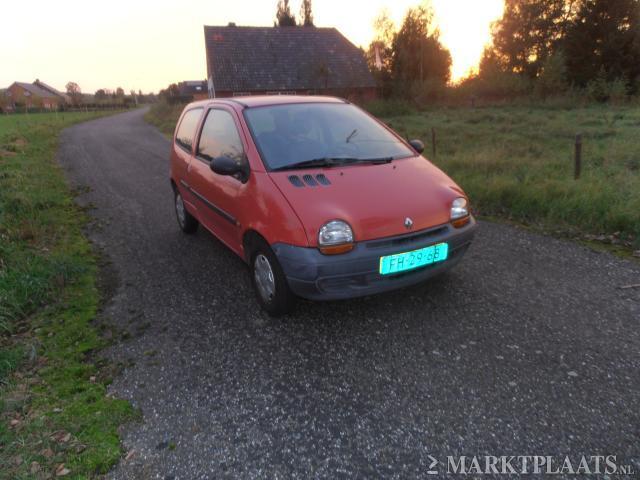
(578, 157)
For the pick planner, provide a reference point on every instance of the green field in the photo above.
(55, 415)
(517, 163)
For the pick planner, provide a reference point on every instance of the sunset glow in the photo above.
(139, 45)
(465, 30)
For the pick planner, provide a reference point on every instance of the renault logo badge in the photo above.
(408, 223)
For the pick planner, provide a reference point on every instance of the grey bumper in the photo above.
(315, 276)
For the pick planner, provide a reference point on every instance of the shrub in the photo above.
(601, 90)
(553, 78)
(389, 107)
(496, 84)
(428, 92)
(617, 91)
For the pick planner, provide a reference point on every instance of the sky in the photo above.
(148, 45)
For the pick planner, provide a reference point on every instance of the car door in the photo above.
(183, 149)
(218, 194)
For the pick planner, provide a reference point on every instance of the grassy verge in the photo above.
(517, 163)
(56, 419)
(164, 117)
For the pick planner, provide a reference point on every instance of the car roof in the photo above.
(267, 100)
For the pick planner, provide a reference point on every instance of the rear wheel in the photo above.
(186, 221)
(269, 281)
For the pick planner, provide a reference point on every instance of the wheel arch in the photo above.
(250, 238)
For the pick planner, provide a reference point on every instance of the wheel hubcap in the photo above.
(263, 275)
(180, 211)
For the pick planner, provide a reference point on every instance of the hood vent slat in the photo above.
(322, 179)
(310, 180)
(295, 181)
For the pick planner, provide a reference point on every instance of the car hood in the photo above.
(374, 199)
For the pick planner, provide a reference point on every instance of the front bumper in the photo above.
(315, 276)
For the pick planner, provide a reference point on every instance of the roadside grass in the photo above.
(164, 116)
(516, 163)
(55, 416)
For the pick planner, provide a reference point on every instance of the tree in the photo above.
(171, 94)
(529, 32)
(418, 56)
(100, 94)
(380, 52)
(284, 17)
(553, 76)
(494, 80)
(119, 92)
(603, 42)
(74, 93)
(306, 14)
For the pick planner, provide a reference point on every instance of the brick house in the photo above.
(34, 95)
(52, 90)
(193, 89)
(285, 60)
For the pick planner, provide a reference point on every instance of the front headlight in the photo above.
(334, 237)
(459, 208)
(459, 212)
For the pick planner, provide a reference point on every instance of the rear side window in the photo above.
(220, 137)
(187, 128)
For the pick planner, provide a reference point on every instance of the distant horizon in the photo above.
(138, 48)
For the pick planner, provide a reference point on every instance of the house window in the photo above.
(282, 92)
(241, 94)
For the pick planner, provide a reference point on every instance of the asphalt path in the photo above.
(528, 347)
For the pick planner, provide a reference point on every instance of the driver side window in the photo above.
(220, 138)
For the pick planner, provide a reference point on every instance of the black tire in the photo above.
(187, 222)
(282, 299)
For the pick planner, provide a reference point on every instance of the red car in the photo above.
(322, 200)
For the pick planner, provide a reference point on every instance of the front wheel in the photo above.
(186, 221)
(269, 281)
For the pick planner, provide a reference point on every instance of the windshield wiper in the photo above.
(376, 160)
(332, 162)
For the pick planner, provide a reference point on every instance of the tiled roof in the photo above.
(48, 88)
(243, 59)
(35, 90)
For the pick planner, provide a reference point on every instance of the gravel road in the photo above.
(528, 347)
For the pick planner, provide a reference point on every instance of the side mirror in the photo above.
(417, 145)
(228, 166)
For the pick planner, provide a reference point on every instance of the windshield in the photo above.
(295, 133)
